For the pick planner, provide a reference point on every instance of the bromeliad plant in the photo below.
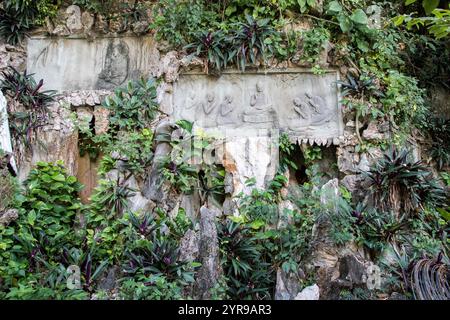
(212, 47)
(33, 111)
(251, 42)
(248, 275)
(400, 185)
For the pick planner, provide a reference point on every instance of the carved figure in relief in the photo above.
(116, 66)
(208, 108)
(260, 110)
(210, 104)
(313, 109)
(227, 112)
(190, 108)
(259, 100)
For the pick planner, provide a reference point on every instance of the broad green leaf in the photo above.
(334, 7)
(59, 177)
(344, 23)
(430, 5)
(230, 10)
(359, 16)
(31, 217)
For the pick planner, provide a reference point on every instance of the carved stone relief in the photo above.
(103, 63)
(303, 104)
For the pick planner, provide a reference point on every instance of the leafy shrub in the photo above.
(313, 42)
(403, 100)
(179, 21)
(152, 269)
(31, 247)
(181, 170)
(134, 106)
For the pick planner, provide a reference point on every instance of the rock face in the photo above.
(246, 158)
(8, 216)
(287, 286)
(244, 108)
(189, 247)
(309, 293)
(73, 21)
(58, 141)
(209, 272)
(11, 56)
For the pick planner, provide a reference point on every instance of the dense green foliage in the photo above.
(389, 68)
(17, 17)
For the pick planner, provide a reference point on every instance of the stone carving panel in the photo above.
(300, 103)
(103, 63)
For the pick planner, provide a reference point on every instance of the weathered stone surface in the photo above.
(87, 176)
(364, 164)
(87, 20)
(210, 270)
(351, 182)
(154, 188)
(299, 102)
(287, 286)
(440, 101)
(110, 280)
(309, 293)
(352, 269)
(249, 157)
(189, 247)
(347, 160)
(11, 56)
(5, 135)
(103, 63)
(191, 205)
(58, 140)
(78, 98)
(373, 132)
(73, 21)
(138, 203)
(101, 120)
(170, 65)
(8, 216)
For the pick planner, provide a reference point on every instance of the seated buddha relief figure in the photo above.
(260, 110)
